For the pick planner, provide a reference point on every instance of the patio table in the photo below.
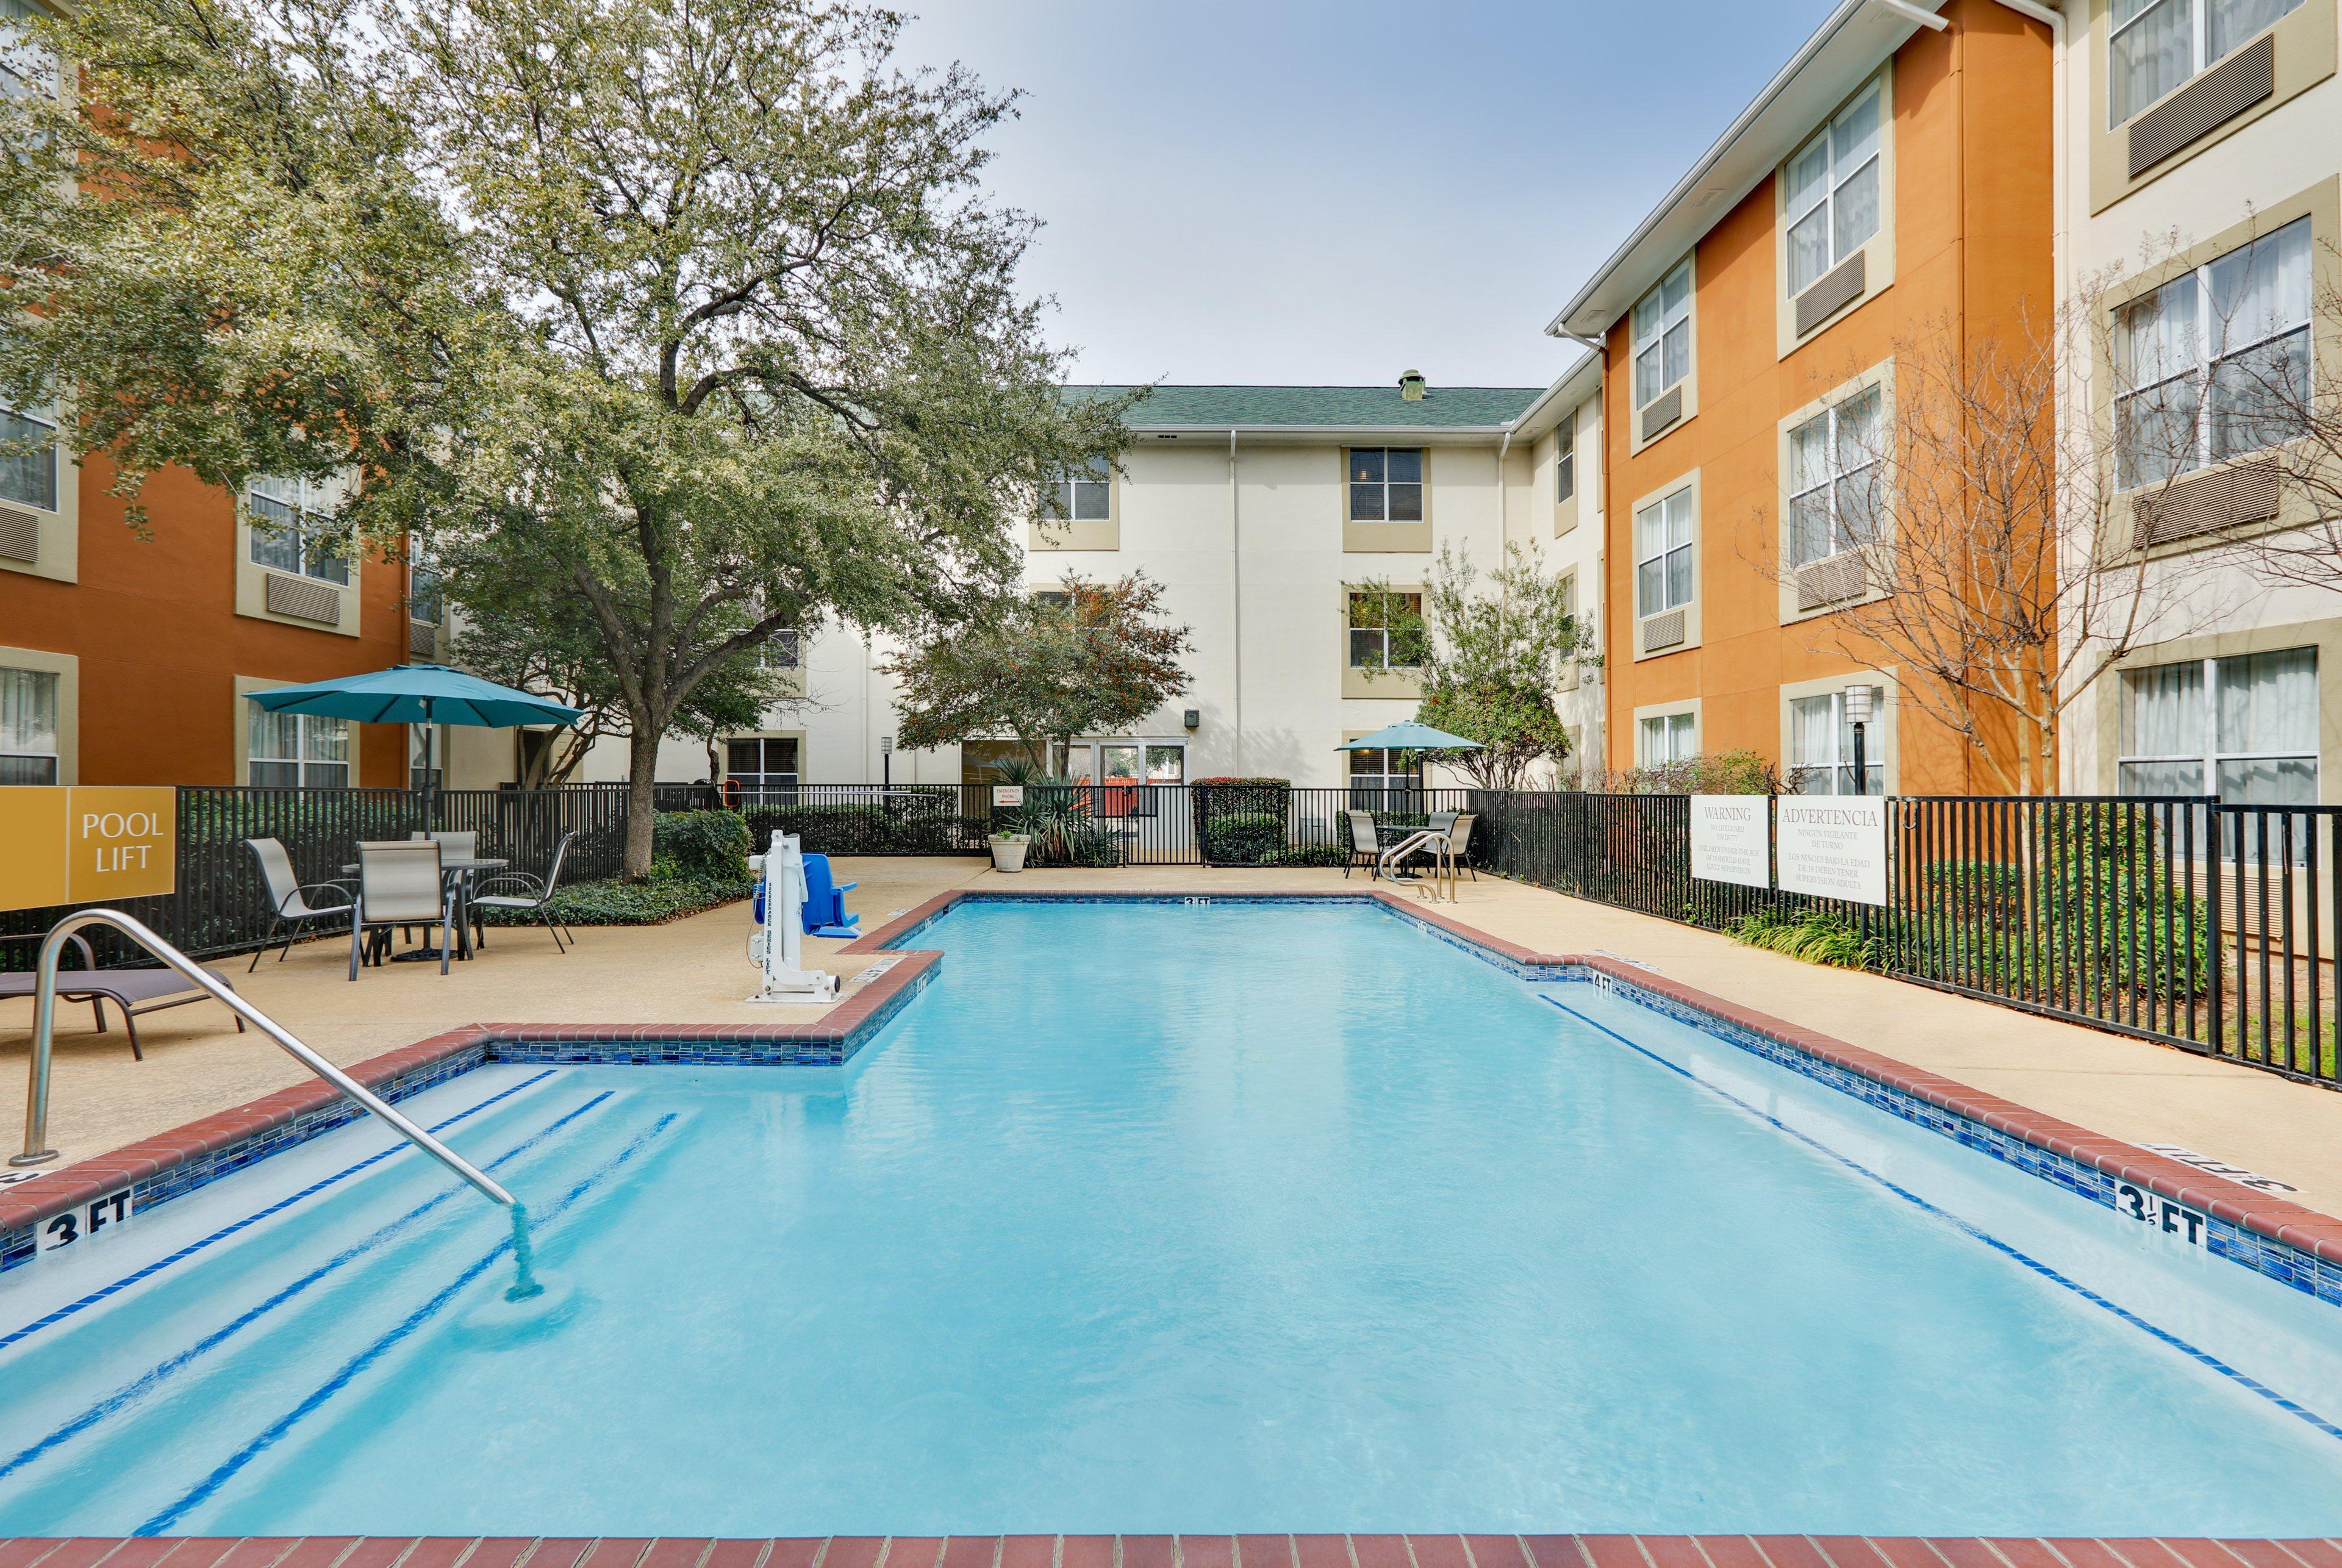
(461, 867)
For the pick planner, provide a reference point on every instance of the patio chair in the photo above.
(457, 846)
(534, 895)
(1365, 849)
(825, 906)
(399, 884)
(454, 845)
(135, 991)
(289, 908)
(1459, 840)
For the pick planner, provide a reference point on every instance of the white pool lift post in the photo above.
(778, 945)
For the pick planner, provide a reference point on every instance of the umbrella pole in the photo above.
(430, 777)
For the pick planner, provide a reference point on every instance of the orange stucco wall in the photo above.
(153, 623)
(1972, 218)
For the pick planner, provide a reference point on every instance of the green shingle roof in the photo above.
(1363, 407)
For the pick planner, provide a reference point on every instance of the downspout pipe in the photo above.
(1236, 597)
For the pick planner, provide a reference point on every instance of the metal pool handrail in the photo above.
(1443, 861)
(45, 1008)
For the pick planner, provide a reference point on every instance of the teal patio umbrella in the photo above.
(1409, 736)
(427, 695)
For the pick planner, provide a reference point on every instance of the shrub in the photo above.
(1709, 772)
(627, 903)
(2088, 906)
(1261, 806)
(916, 825)
(711, 844)
(1815, 936)
(1332, 855)
(1244, 838)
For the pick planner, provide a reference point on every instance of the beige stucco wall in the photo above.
(2246, 177)
(1278, 566)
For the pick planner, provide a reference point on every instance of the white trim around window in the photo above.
(40, 711)
(1663, 351)
(2208, 363)
(1834, 190)
(1666, 732)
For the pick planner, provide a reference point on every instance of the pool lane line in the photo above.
(2203, 1357)
(192, 1248)
(170, 1366)
(414, 1320)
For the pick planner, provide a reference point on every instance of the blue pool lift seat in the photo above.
(825, 905)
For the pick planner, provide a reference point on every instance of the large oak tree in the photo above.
(689, 321)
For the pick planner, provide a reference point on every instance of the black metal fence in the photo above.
(2199, 922)
(221, 905)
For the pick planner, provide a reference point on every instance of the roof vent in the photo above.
(1410, 386)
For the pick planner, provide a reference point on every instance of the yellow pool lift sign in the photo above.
(86, 844)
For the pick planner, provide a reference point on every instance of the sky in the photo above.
(1306, 191)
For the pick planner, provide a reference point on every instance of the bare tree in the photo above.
(1967, 535)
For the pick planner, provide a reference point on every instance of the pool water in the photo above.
(1159, 1217)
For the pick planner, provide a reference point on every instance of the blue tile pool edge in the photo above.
(744, 1046)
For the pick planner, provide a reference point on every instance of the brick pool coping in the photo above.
(1168, 1551)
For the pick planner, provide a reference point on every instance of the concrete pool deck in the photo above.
(695, 971)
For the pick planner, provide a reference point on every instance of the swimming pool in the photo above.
(1201, 1217)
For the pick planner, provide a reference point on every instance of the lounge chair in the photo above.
(534, 895)
(290, 910)
(135, 991)
(399, 884)
(825, 906)
(1365, 849)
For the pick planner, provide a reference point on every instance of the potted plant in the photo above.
(1008, 850)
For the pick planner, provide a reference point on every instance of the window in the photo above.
(1386, 630)
(760, 769)
(1383, 781)
(1662, 335)
(1564, 459)
(2215, 362)
(421, 744)
(2157, 45)
(1386, 484)
(425, 603)
(1834, 479)
(2247, 723)
(25, 68)
(782, 651)
(1663, 553)
(1834, 193)
(1665, 738)
(1082, 496)
(298, 751)
(28, 476)
(1821, 746)
(28, 727)
(292, 520)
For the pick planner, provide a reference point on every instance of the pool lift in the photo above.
(777, 945)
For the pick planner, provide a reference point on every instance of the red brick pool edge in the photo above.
(1165, 1552)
